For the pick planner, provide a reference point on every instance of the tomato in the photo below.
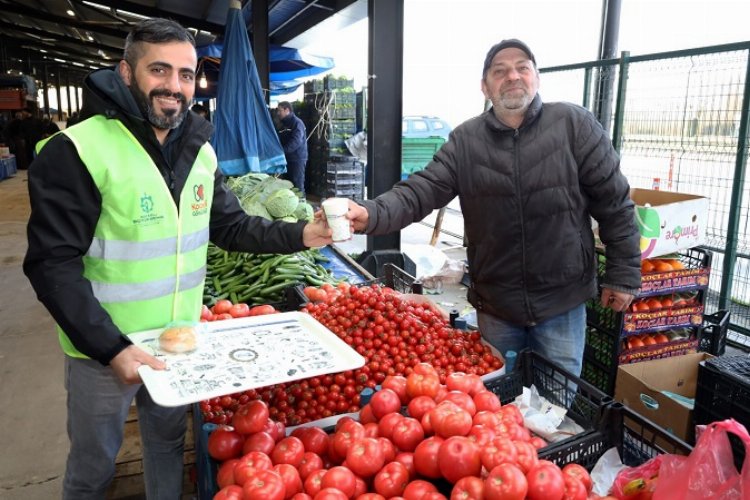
(396, 383)
(331, 494)
(222, 306)
(206, 313)
(538, 442)
(290, 477)
(487, 401)
(527, 457)
(370, 496)
(459, 457)
(426, 457)
(248, 463)
(574, 489)
(239, 310)
(277, 430)
(449, 420)
(340, 478)
(486, 418)
(498, 451)
(463, 382)
(309, 464)
(407, 434)
(463, 400)
(391, 480)
(417, 489)
(420, 405)
(383, 402)
(225, 443)
(225, 474)
(481, 435)
(360, 487)
(505, 482)
(261, 310)
(231, 492)
(301, 496)
(388, 423)
(468, 488)
(365, 457)
(344, 437)
(313, 438)
(251, 417)
(288, 451)
(222, 316)
(371, 430)
(580, 473)
(421, 384)
(546, 482)
(407, 459)
(313, 483)
(389, 449)
(433, 495)
(365, 415)
(265, 484)
(260, 441)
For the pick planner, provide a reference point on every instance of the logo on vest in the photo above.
(148, 217)
(200, 206)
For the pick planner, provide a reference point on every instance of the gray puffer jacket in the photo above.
(527, 196)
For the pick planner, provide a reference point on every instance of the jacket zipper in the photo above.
(519, 197)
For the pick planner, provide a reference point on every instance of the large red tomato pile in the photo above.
(392, 332)
(454, 438)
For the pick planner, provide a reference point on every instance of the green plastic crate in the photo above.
(416, 153)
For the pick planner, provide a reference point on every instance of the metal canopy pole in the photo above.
(261, 45)
(384, 95)
(610, 34)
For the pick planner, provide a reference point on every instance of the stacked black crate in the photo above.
(330, 120)
(665, 319)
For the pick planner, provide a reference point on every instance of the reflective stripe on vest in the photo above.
(147, 260)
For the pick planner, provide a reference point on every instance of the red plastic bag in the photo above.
(709, 471)
(637, 483)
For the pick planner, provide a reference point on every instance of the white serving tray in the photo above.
(244, 353)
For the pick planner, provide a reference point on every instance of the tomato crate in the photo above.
(205, 466)
(723, 391)
(606, 350)
(636, 438)
(584, 402)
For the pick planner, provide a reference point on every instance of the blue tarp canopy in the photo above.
(285, 64)
(245, 139)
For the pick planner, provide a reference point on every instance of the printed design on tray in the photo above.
(237, 355)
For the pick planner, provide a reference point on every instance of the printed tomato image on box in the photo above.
(669, 222)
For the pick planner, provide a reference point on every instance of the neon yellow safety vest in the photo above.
(147, 261)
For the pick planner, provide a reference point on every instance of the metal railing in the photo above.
(680, 123)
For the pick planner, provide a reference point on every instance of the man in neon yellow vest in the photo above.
(123, 206)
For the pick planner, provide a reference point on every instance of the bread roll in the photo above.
(178, 339)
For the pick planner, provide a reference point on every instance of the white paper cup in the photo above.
(336, 210)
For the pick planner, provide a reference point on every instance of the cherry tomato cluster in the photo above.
(456, 434)
(393, 334)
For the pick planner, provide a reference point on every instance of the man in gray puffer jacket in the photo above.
(529, 176)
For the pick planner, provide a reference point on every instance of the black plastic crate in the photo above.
(636, 438)
(723, 391)
(714, 336)
(585, 403)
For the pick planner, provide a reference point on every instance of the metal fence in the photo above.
(680, 122)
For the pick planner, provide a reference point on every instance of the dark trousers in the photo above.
(295, 172)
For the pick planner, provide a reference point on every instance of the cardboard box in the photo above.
(669, 222)
(640, 385)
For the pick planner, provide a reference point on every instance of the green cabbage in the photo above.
(282, 203)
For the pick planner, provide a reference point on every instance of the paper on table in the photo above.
(245, 353)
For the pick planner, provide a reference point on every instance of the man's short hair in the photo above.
(286, 105)
(200, 109)
(155, 30)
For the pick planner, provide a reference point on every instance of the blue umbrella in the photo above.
(245, 139)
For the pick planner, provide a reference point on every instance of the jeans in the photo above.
(98, 405)
(561, 338)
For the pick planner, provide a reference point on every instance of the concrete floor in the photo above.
(32, 413)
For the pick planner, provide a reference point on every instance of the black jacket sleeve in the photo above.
(232, 229)
(65, 207)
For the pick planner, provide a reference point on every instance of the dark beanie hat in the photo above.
(506, 44)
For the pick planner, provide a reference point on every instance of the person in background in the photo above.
(122, 209)
(293, 137)
(200, 110)
(74, 118)
(529, 176)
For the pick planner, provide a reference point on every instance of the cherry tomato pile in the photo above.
(391, 332)
(453, 437)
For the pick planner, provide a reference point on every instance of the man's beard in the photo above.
(513, 102)
(171, 119)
